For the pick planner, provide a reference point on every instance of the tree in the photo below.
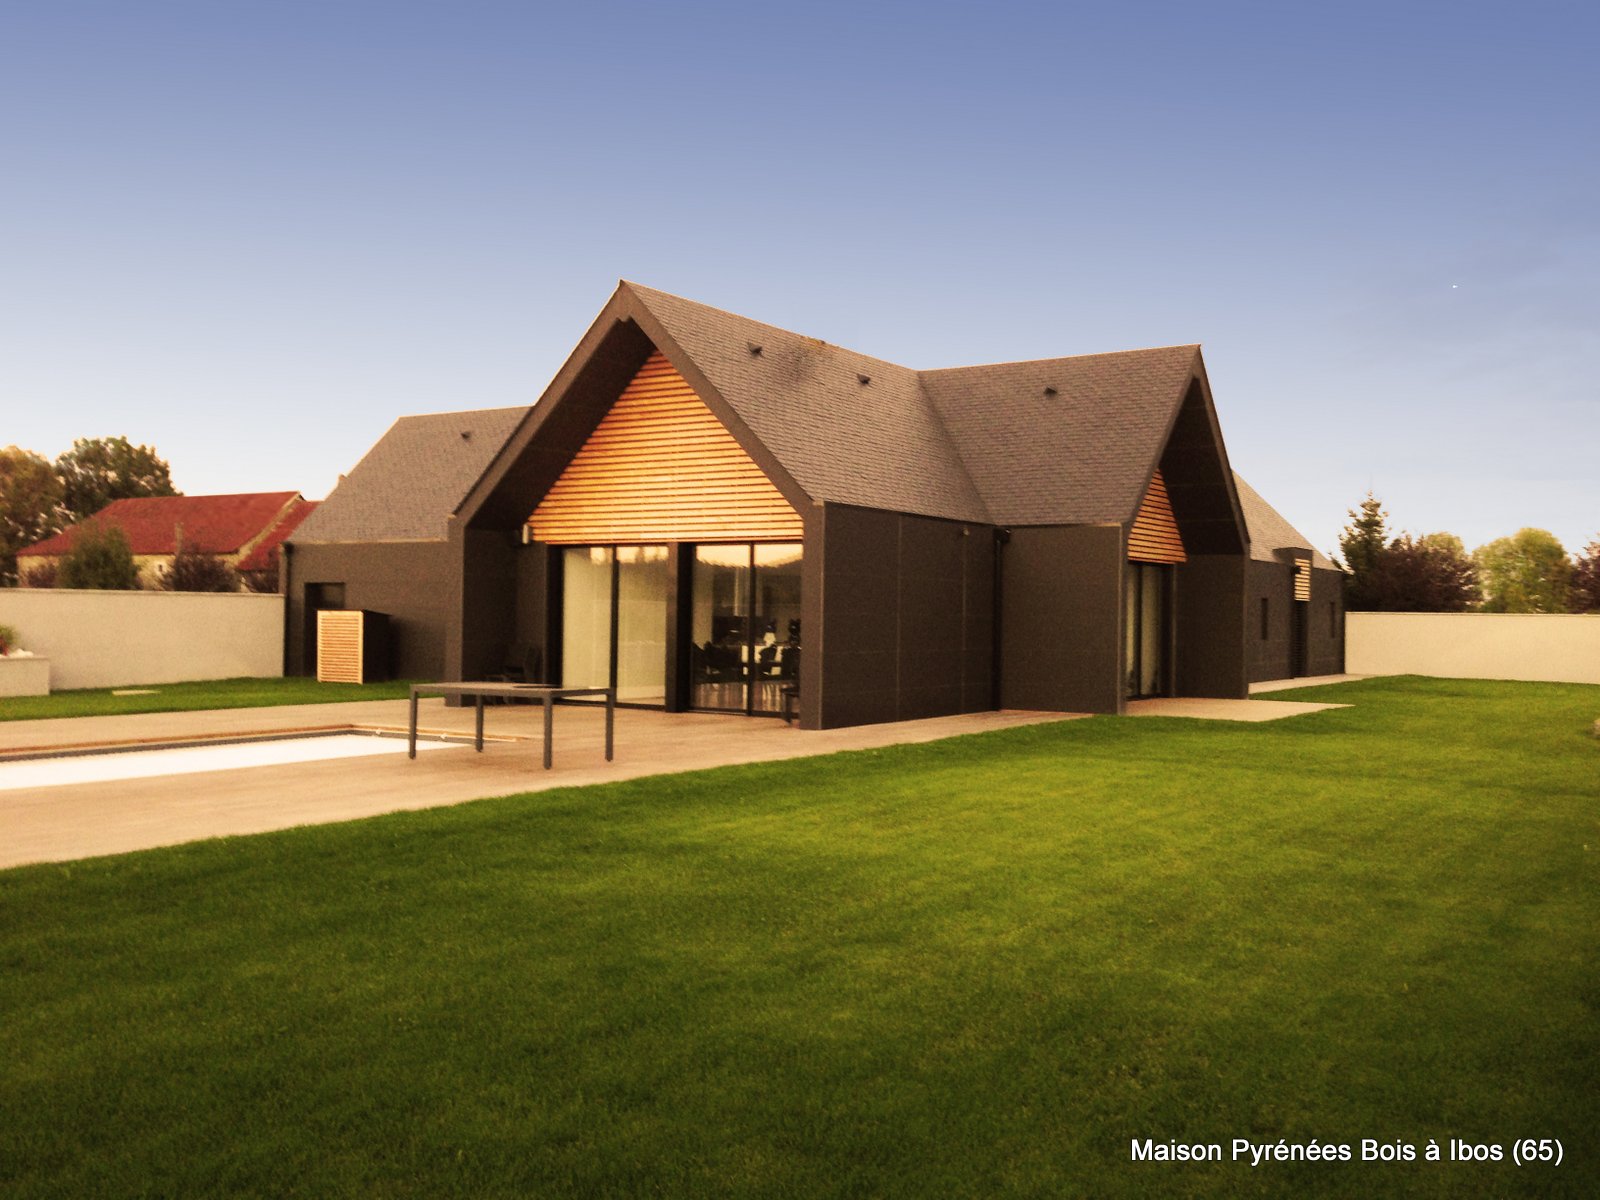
(1525, 573)
(1361, 544)
(1432, 573)
(195, 571)
(99, 558)
(97, 471)
(42, 574)
(1585, 593)
(30, 500)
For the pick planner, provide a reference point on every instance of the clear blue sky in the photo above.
(254, 233)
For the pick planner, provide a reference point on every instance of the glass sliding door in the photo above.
(643, 582)
(777, 624)
(1147, 624)
(719, 654)
(744, 626)
(614, 620)
(586, 616)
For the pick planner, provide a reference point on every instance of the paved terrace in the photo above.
(55, 824)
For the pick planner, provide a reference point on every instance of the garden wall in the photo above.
(1546, 647)
(112, 639)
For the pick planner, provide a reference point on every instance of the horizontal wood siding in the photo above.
(660, 467)
(1154, 537)
(1302, 579)
(339, 647)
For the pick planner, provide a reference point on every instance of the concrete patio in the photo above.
(71, 821)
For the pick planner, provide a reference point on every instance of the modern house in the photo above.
(244, 530)
(706, 511)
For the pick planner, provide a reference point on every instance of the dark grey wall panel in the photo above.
(407, 580)
(1327, 622)
(1060, 619)
(1211, 625)
(1269, 657)
(489, 601)
(901, 626)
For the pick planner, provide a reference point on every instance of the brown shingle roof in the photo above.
(1081, 455)
(209, 524)
(408, 484)
(879, 444)
(1269, 531)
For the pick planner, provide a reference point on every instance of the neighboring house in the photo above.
(234, 528)
(700, 501)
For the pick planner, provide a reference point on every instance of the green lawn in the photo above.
(980, 967)
(184, 697)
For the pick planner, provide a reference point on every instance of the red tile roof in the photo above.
(266, 550)
(210, 524)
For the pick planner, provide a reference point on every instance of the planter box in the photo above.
(24, 676)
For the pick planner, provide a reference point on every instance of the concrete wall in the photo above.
(1545, 647)
(1061, 619)
(897, 614)
(110, 639)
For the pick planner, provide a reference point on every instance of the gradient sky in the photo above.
(254, 234)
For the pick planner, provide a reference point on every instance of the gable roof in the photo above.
(1269, 532)
(265, 551)
(154, 524)
(405, 488)
(1081, 453)
(879, 444)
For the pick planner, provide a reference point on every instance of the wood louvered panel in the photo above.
(339, 647)
(1302, 579)
(1154, 537)
(660, 467)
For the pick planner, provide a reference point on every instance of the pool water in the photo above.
(189, 760)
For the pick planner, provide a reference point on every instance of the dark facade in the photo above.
(957, 541)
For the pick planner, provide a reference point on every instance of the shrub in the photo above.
(8, 639)
(195, 571)
(42, 574)
(99, 558)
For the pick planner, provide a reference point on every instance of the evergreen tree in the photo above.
(1362, 543)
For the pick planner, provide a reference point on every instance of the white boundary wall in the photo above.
(108, 639)
(1545, 647)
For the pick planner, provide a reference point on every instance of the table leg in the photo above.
(479, 736)
(549, 729)
(413, 741)
(611, 708)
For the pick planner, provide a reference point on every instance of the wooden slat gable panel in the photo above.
(1154, 537)
(1302, 579)
(660, 467)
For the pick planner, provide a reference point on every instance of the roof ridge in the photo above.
(1029, 362)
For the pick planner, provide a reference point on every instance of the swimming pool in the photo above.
(108, 766)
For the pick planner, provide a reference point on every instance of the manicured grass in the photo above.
(980, 967)
(184, 697)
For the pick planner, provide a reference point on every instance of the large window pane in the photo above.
(1152, 631)
(720, 627)
(642, 585)
(777, 623)
(586, 617)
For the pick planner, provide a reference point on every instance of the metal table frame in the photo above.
(521, 691)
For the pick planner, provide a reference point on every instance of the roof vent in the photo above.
(466, 435)
(755, 350)
(1050, 391)
(865, 379)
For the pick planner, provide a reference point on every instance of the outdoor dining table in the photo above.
(518, 691)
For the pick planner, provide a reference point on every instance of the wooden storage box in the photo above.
(352, 646)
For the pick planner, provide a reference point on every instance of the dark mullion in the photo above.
(616, 591)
